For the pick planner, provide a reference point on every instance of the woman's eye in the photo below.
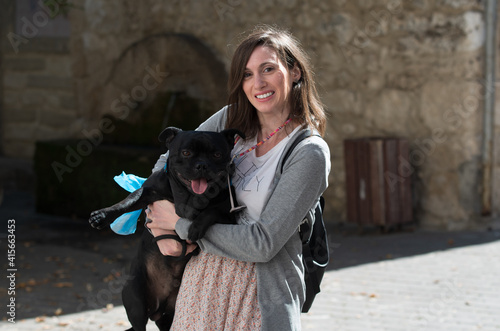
(246, 75)
(186, 153)
(268, 69)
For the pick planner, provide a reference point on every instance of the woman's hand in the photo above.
(162, 215)
(163, 219)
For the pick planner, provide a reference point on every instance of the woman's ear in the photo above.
(296, 73)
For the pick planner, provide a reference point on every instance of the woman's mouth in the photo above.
(264, 95)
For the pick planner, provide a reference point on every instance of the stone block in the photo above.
(13, 80)
(461, 4)
(44, 133)
(452, 107)
(20, 115)
(391, 111)
(24, 64)
(59, 66)
(33, 97)
(67, 101)
(12, 98)
(18, 149)
(22, 132)
(50, 82)
(343, 101)
(340, 25)
(39, 45)
(442, 197)
(440, 34)
(56, 120)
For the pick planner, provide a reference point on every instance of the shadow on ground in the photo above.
(351, 247)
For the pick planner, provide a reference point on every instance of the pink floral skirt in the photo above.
(217, 293)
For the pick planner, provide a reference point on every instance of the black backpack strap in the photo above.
(305, 228)
(303, 135)
(315, 251)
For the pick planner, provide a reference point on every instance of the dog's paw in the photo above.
(98, 219)
(195, 234)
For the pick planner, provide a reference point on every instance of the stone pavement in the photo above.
(69, 278)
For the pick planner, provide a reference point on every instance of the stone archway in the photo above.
(162, 78)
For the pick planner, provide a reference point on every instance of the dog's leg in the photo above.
(200, 225)
(134, 300)
(165, 322)
(102, 217)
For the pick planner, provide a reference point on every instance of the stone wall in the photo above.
(496, 134)
(384, 67)
(38, 86)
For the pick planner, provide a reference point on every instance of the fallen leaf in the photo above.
(52, 259)
(63, 284)
(58, 311)
(108, 278)
(40, 319)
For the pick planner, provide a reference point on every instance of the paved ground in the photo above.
(68, 277)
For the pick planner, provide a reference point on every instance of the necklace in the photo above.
(259, 143)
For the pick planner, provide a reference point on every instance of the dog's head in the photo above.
(200, 160)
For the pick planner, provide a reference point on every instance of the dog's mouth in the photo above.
(198, 185)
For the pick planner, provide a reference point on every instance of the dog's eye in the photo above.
(186, 153)
(217, 155)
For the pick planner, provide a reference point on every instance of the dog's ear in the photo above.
(168, 134)
(230, 135)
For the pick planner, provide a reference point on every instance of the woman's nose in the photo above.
(259, 81)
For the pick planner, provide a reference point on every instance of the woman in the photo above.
(249, 276)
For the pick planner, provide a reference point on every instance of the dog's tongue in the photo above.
(199, 185)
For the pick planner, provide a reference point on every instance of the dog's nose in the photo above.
(201, 166)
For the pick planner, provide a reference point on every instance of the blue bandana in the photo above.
(127, 223)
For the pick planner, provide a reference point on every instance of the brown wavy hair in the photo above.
(306, 107)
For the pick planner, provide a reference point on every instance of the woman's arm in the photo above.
(304, 178)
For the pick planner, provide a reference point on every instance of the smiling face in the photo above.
(267, 83)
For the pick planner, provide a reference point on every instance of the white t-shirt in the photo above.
(253, 176)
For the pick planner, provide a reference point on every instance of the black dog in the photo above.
(196, 180)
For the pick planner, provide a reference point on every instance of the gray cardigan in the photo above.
(273, 242)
